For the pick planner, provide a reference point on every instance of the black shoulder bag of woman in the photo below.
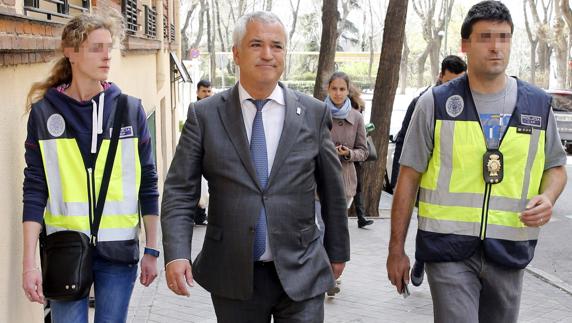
(67, 255)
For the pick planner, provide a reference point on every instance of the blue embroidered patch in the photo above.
(124, 132)
(528, 120)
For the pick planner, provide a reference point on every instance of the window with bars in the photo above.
(165, 28)
(150, 22)
(56, 8)
(130, 11)
(172, 36)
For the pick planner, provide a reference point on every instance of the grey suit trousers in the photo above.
(268, 300)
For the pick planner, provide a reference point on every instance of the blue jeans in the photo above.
(113, 284)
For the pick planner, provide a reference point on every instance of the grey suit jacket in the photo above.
(214, 144)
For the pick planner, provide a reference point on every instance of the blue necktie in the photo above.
(260, 159)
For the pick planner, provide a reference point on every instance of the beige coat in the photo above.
(350, 132)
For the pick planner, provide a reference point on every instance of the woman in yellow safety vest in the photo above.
(70, 119)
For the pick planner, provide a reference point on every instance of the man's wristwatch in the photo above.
(153, 252)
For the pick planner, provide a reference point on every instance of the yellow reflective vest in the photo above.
(73, 185)
(458, 210)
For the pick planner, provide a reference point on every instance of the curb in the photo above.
(550, 279)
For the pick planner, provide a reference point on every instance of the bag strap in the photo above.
(120, 112)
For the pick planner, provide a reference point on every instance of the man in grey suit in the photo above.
(265, 151)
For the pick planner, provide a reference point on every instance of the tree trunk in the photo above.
(434, 57)
(421, 66)
(567, 14)
(294, 11)
(268, 5)
(382, 105)
(533, 44)
(403, 68)
(328, 43)
(559, 45)
(184, 38)
(211, 43)
(202, 12)
(371, 51)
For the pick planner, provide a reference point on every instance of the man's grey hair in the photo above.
(265, 17)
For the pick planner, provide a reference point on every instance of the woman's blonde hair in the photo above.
(75, 32)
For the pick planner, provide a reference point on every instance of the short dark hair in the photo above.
(453, 64)
(486, 10)
(204, 83)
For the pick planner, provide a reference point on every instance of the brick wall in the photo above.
(24, 40)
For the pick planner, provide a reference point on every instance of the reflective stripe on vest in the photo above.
(452, 190)
(68, 202)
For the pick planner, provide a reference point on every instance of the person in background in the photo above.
(204, 89)
(452, 67)
(358, 104)
(77, 102)
(348, 134)
(484, 153)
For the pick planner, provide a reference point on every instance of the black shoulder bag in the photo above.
(67, 255)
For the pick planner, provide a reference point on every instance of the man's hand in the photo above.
(538, 211)
(398, 269)
(338, 268)
(148, 270)
(179, 274)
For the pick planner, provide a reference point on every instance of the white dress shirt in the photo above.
(273, 115)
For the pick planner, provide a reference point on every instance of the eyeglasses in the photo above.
(488, 37)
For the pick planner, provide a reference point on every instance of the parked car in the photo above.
(562, 106)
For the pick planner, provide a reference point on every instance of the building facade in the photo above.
(146, 66)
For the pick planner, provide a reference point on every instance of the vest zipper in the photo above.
(485, 211)
(91, 201)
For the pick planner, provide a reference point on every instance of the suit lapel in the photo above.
(292, 123)
(231, 115)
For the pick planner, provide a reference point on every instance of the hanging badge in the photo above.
(493, 167)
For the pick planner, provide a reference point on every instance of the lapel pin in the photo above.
(298, 110)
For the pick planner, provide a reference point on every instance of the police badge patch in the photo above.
(533, 121)
(455, 105)
(56, 125)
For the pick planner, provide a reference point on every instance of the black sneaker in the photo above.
(364, 223)
(417, 273)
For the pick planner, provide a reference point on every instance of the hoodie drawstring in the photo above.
(96, 121)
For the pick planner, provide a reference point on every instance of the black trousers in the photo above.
(358, 198)
(268, 300)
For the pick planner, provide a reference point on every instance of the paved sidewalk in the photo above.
(366, 296)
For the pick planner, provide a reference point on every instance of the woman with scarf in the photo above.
(348, 134)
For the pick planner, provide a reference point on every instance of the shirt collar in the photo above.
(277, 94)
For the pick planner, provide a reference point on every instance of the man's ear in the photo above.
(235, 55)
(465, 45)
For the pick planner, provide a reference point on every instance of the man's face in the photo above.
(488, 48)
(204, 92)
(448, 75)
(260, 54)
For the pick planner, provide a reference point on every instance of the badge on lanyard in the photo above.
(493, 166)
